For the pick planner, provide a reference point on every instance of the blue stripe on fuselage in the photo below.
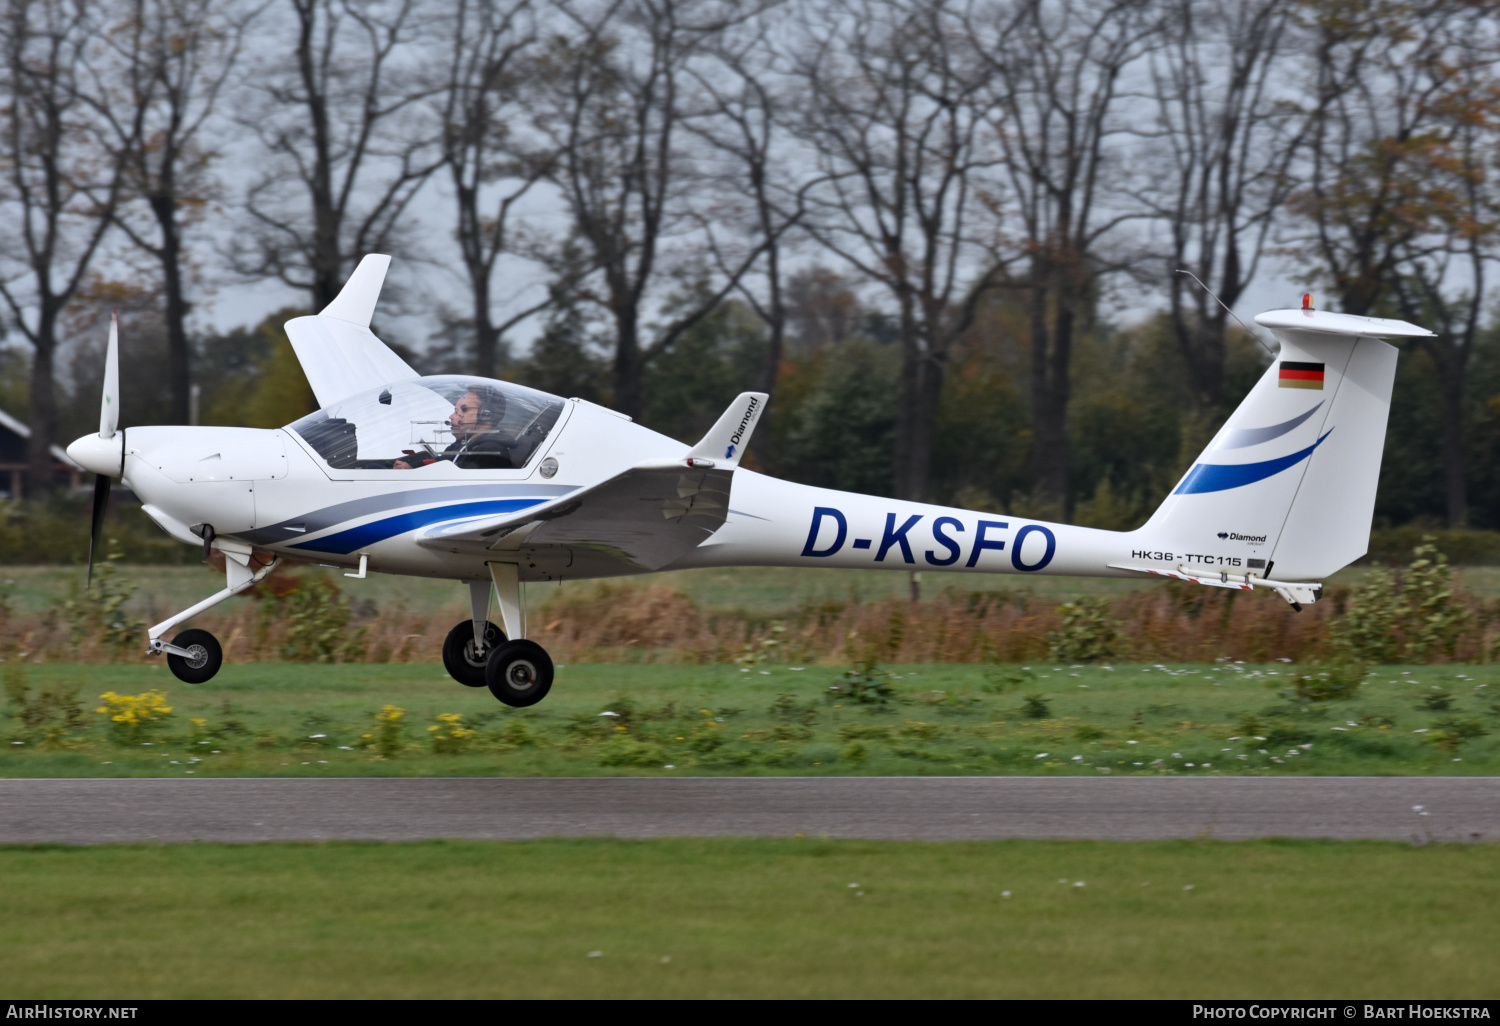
(345, 542)
(1217, 477)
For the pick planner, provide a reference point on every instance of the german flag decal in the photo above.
(1301, 375)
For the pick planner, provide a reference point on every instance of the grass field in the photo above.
(751, 918)
(282, 719)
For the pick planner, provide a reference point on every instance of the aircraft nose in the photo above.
(98, 454)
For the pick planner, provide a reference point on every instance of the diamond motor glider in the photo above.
(493, 484)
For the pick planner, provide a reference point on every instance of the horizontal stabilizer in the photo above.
(1320, 322)
(337, 351)
(726, 440)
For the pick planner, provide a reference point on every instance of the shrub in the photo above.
(318, 618)
(1088, 634)
(1419, 620)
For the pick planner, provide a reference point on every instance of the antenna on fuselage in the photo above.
(1252, 334)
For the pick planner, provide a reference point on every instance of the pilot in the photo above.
(476, 444)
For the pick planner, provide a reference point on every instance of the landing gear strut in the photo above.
(194, 656)
(518, 672)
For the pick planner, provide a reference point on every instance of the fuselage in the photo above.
(293, 493)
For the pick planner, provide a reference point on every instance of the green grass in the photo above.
(751, 918)
(260, 719)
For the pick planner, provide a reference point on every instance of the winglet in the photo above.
(726, 440)
(355, 303)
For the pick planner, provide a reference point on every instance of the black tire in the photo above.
(519, 673)
(459, 657)
(206, 659)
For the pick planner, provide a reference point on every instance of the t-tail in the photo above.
(1289, 481)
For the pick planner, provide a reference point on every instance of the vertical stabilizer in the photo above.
(1289, 481)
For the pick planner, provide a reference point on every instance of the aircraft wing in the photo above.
(647, 517)
(339, 353)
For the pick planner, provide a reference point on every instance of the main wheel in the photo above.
(204, 659)
(519, 673)
(459, 658)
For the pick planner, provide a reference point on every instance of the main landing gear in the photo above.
(194, 656)
(477, 654)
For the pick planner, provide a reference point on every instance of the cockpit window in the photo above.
(474, 423)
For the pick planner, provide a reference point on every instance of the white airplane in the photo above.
(495, 485)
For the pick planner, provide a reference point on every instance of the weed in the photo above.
(1089, 732)
(786, 709)
(517, 733)
(450, 736)
(1337, 680)
(132, 716)
(1036, 707)
(1450, 732)
(854, 752)
(1437, 700)
(863, 684)
(387, 737)
(1000, 679)
(623, 750)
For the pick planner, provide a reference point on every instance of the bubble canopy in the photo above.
(473, 423)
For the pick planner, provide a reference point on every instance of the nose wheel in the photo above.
(194, 656)
(519, 673)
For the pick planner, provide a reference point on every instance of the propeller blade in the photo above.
(101, 505)
(109, 406)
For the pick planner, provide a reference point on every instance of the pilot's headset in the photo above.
(491, 405)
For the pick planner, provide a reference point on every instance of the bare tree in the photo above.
(493, 163)
(895, 108)
(171, 62)
(615, 81)
(1400, 202)
(345, 125)
(763, 194)
(58, 194)
(1227, 135)
(1057, 69)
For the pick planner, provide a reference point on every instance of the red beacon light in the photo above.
(1307, 301)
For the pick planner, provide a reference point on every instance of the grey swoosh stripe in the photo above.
(328, 516)
(1243, 437)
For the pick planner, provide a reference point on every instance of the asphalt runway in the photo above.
(87, 811)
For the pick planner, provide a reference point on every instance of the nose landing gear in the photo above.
(194, 656)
